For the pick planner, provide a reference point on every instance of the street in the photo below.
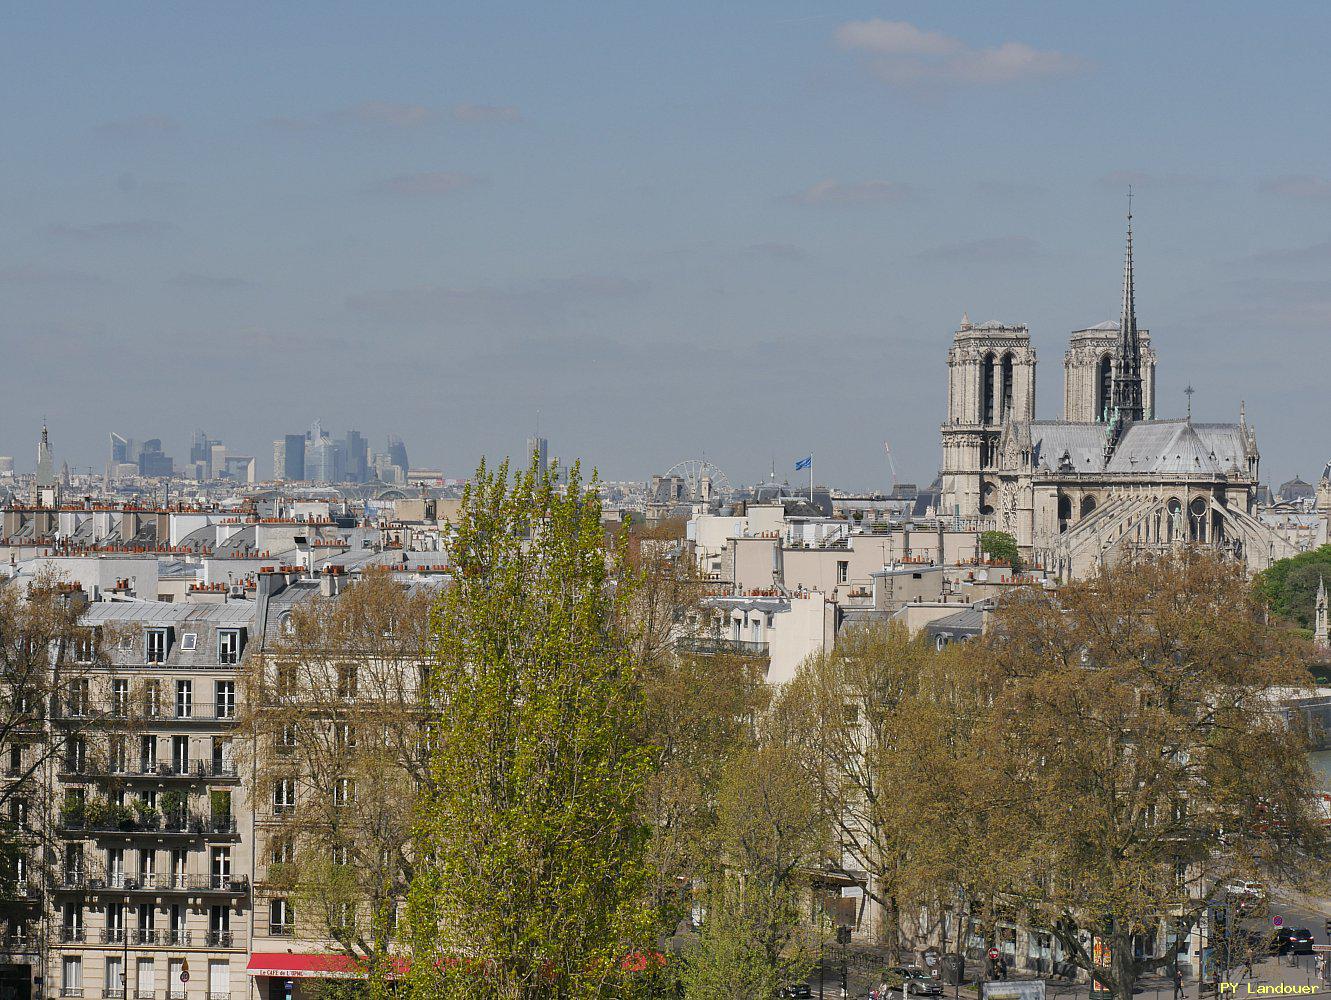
(1290, 970)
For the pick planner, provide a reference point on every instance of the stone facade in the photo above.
(1110, 476)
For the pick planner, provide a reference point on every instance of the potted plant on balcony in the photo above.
(120, 817)
(220, 801)
(95, 814)
(73, 812)
(148, 817)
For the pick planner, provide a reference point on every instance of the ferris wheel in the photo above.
(695, 472)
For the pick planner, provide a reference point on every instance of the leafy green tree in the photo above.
(769, 836)
(1001, 546)
(1289, 586)
(1136, 739)
(532, 875)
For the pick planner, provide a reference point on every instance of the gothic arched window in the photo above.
(1087, 505)
(987, 389)
(1104, 387)
(1008, 365)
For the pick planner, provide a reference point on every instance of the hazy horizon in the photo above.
(661, 232)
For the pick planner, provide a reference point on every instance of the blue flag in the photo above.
(804, 463)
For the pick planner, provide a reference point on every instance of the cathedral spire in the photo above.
(1127, 388)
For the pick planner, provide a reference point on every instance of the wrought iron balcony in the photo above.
(715, 646)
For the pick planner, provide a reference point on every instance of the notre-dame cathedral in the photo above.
(1110, 476)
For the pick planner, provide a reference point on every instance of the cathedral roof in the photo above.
(1172, 446)
(1158, 447)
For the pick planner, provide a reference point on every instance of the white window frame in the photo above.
(189, 641)
(152, 653)
(230, 642)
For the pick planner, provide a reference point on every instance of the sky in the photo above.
(743, 232)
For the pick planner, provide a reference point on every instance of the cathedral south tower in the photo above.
(991, 382)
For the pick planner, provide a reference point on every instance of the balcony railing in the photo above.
(176, 938)
(281, 930)
(111, 993)
(113, 935)
(77, 880)
(147, 935)
(175, 823)
(218, 939)
(22, 889)
(713, 646)
(71, 991)
(73, 935)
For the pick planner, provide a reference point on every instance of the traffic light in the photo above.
(1328, 928)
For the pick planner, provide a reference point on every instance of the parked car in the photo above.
(796, 991)
(916, 982)
(1292, 941)
(1243, 887)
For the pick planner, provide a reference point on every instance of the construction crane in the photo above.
(891, 465)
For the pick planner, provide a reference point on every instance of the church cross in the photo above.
(1188, 392)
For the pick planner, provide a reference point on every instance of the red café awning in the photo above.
(281, 965)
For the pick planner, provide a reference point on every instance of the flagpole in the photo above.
(810, 477)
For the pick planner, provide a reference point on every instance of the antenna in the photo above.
(1188, 392)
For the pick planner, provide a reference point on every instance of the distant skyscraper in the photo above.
(397, 453)
(358, 457)
(153, 463)
(539, 447)
(289, 458)
(122, 449)
(327, 462)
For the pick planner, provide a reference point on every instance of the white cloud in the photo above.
(895, 38)
(900, 53)
(831, 192)
(140, 127)
(1000, 248)
(387, 113)
(130, 228)
(1118, 180)
(1306, 187)
(206, 282)
(472, 113)
(20, 275)
(426, 184)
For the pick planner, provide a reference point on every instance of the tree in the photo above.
(1001, 546)
(1137, 741)
(699, 714)
(334, 712)
(769, 837)
(532, 874)
(1289, 586)
(51, 709)
(885, 723)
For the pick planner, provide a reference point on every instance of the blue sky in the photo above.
(675, 230)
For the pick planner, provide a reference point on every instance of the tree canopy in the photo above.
(1289, 586)
(532, 878)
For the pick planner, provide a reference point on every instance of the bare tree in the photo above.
(338, 743)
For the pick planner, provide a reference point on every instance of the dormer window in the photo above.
(157, 644)
(229, 644)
